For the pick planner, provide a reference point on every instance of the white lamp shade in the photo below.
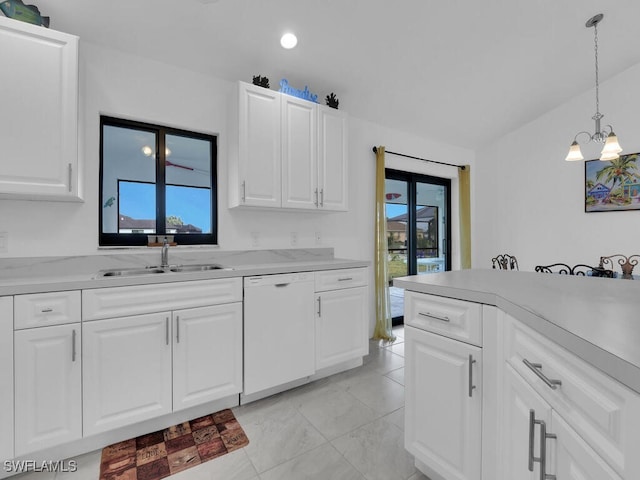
(574, 153)
(606, 157)
(611, 145)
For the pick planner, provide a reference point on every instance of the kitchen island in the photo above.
(523, 374)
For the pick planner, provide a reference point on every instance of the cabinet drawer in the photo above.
(44, 309)
(337, 279)
(452, 318)
(599, 408)
(124, 301)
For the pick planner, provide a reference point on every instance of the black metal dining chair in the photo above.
(505, 262)
(626, 263)
(580, 269)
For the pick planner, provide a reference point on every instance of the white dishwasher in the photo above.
(279, 342)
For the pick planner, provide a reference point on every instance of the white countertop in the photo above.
(597, 319)
(52, 274)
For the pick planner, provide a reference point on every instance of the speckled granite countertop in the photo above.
(49, 274)
(597, 319)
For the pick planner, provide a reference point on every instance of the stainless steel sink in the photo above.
(127, 272)
(195, 268)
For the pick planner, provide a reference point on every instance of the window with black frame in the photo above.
(156, 180)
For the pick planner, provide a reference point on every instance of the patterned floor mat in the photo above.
(160, 454)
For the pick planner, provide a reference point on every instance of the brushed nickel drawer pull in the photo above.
(178, 329)
(280, 285)
(319, 306)
(536, 368)
(345, 279)
(436, 317)
(47, 310)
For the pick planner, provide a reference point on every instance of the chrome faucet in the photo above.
(164, 258)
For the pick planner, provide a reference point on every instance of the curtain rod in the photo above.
(462, 167)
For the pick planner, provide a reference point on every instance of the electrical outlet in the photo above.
(294, 239)
(4, 242)
(318, 238)
(255, 239)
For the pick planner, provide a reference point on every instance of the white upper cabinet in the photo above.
(291, 153)
(39, 115)
(332, 159)
(259, 147)
(299, 153)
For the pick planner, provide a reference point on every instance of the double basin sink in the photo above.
(126, 272)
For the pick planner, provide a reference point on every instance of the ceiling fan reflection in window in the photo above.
(148, 152)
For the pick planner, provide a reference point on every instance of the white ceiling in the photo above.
(459, 71)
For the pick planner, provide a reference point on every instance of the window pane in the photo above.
(188, 185)
(128, 175)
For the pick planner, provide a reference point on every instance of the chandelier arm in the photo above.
(589, 137)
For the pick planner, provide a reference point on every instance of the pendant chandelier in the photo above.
(611, 149)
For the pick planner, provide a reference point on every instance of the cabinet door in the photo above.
(48, 398)
(299, 154)
(442, 411)
(207, 354)
(519, 435)
(574, 459)
(332, 159)
(259, 149)
(6, 377)
(126, 371)
(39, 121)
(341, 326)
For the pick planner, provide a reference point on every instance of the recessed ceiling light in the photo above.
(288, 40)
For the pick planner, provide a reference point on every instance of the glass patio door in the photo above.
(418, 228)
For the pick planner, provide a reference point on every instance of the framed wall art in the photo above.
(612, 185)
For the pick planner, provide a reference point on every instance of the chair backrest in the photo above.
(578, 269)
(505, 262)
(626, 263)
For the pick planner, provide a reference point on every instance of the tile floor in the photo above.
(345, 427)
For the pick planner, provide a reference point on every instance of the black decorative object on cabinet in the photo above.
(261, 81)
(332, 100)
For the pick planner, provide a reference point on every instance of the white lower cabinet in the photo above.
(6, 378)
(539, 444)
(207, 354)
(48, 407)
(144, 366)
(341, 326)
(521, 437)
(126, 371)
(443, 405)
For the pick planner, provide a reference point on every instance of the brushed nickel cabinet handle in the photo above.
(322, 197)
(471, 385)
(178, 329)
(166, 326)
(244, 191)
(73, 345)
(544, 436)
(532, 423)
(70, 177)
(316, 194)
(345, 279)
(536, 368)
(47, 310)
(436, 317)
(319, 306)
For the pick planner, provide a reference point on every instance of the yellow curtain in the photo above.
(465, 216)
(383, 329)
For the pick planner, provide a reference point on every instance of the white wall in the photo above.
(530, 202)
(127, 86)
